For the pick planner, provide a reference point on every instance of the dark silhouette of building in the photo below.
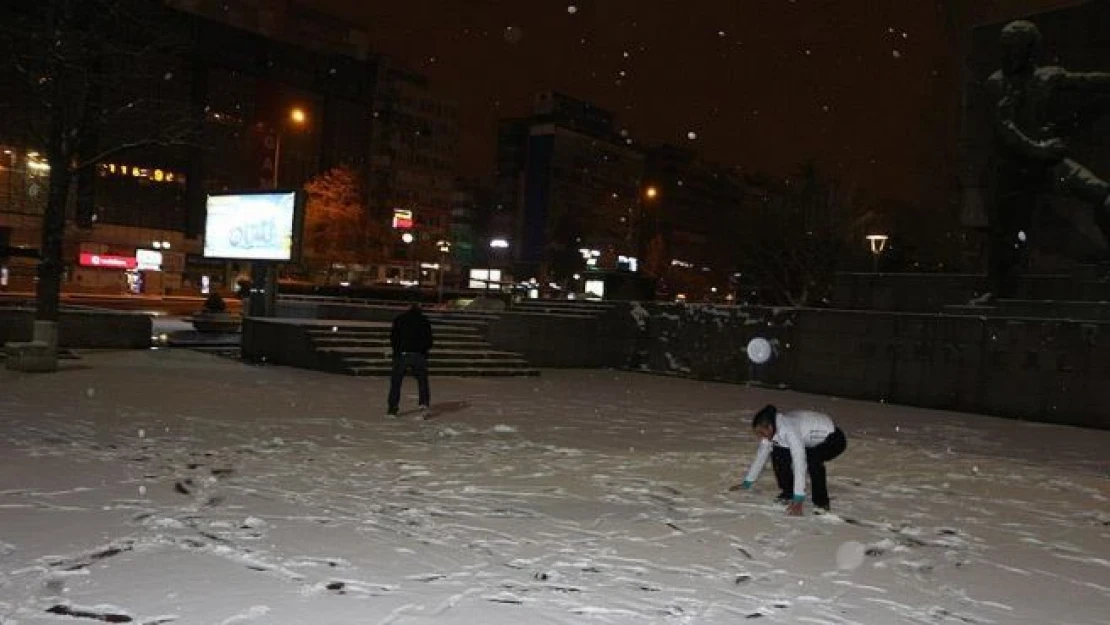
(247, 64)
(571, 182)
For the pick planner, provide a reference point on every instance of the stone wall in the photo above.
(551, 340)
(82, 329)
(1050, 370)
(708, 342)
(277, 342)
(931, 292)
(1038, 369)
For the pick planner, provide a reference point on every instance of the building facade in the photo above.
(572, 183)
(247, 65)
(694, 217)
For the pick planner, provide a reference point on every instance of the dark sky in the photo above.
(867, 88)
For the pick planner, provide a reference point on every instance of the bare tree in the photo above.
(85, 81)
(337, 226)
(797, 232)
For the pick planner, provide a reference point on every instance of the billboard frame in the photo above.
(300, 198)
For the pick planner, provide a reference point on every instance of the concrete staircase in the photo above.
(1082, 295)
(563, 307)
(362, 348)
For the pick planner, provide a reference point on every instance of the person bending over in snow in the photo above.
(800, 439)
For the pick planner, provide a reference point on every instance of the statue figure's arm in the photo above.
(1015, 137)
(1085, 81)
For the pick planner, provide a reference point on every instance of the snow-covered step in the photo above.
(444, 358)
(383, 341)
(463, 371)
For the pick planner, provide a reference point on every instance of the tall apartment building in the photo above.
(413, 151)
(572, 183)
(696, 213)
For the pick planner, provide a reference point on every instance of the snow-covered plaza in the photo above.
(176, 487)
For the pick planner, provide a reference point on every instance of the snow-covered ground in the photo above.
(174, 487)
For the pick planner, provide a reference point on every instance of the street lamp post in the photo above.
(497, 243)
(262, 301)
(409, 239)
(298, 118)
(878, 245)
(650, 194)
(444, 250)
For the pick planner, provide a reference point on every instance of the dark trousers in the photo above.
(816, 457)
(418, 363)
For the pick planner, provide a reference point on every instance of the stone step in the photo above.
(560, 308)
(453, 314)
(463, 371)
(355, 332)
(328, 341)
(1038, 309)
(538, 312)
(353, 354)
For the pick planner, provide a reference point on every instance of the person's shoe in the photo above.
(785, 498)
(391, 413)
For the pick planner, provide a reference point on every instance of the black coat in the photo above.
(412, 333)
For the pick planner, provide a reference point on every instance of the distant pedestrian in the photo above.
(410, 339)
(797, 442)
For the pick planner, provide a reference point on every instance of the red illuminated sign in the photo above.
(402, 219)
(108, 261)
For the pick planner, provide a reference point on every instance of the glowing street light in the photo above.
(878, 245)
(651, 193)
(407, 238)
(499, 244)
(299, 118)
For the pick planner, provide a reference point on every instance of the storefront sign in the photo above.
(107, 261)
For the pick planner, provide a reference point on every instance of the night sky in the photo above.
(867, 89)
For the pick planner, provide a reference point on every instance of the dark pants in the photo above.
(402, 363)
(816, 457)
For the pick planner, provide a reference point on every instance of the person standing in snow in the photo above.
(410, 338)
(802, 440)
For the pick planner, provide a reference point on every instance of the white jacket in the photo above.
(794, 430)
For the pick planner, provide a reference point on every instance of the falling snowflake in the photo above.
(692, 135)
(572, 9)
(896, 54)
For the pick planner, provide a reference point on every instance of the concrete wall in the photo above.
(324, 310)
(1039, 369)
(282, 343)
(562, 341)
(84, 329)
(708, 342)
(930, 292)
(1049, 370)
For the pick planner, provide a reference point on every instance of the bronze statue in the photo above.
(1030, 155)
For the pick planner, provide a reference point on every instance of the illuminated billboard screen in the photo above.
(263, 225)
